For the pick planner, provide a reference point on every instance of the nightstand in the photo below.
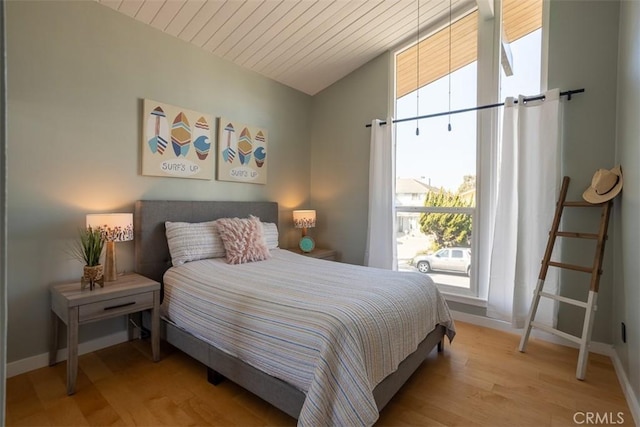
(328, 254)
(129, 294)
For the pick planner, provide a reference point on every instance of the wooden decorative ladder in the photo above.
(595, 270)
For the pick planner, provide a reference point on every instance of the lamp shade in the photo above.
(304, 218)
(114, 227)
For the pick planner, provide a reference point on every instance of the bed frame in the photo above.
(152, 259)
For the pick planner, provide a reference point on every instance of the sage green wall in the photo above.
(77, 72)
(340, 156)
(627, 226)
(583, 46)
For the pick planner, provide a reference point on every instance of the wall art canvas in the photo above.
(242, 152)
(176, 142)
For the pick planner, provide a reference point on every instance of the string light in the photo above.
(418, 71)
(449, 126)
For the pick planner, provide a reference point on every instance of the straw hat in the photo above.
(605, 185)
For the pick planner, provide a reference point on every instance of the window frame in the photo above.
(472, 291)
(488, 123)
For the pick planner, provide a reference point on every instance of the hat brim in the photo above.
(591, 196)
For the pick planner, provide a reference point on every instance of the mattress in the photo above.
(332, 330)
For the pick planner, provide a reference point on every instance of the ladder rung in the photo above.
(571, 266)
(577, 235)
(564, 299)
(551, 330)
(582, 204)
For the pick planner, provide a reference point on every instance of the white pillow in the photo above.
(193, 241)
(270, 231)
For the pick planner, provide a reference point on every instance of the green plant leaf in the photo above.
(88, 248)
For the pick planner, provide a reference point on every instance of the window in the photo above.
(521, 47)
(436, 166)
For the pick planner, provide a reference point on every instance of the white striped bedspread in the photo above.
(332, 330)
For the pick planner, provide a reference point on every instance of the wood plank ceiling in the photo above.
(304, 44)
(520, 17)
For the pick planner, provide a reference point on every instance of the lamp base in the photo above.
(110, 270)
(306, 244)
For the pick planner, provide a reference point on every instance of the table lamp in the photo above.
(305, 219)
(114, 227)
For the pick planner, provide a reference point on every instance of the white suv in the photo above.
(447, 259)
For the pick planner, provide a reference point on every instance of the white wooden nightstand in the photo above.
(131, 293)
(328, 254)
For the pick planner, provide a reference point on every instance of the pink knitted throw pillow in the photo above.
(243, 239)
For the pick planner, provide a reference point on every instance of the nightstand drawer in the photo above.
(115, 307)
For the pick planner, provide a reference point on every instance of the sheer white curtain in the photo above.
(528, 186)
(381, 246)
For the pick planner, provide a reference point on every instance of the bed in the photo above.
(326, 383)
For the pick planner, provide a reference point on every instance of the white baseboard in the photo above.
(594, 347)
(41, 360)
(632, 399)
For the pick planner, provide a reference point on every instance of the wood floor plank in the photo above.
(96, 409)
(49, 383)
(168, 413)
(21, 400)
(204, 414)
(39, 418)
(93, 367)
(479, 380)
(65, 411)
(129, 407)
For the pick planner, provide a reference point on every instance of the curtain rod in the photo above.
(567, 93)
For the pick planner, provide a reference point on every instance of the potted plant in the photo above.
(88, 250)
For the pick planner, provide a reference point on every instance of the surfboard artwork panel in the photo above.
(242, 152)
(177, 142)
(245, 147)
(260, 151)
(229, 135)
(181, 135)
(201, 141)
(157, 131)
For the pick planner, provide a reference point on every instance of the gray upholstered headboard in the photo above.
(151, 250)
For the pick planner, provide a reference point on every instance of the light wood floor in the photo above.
(480, 380)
